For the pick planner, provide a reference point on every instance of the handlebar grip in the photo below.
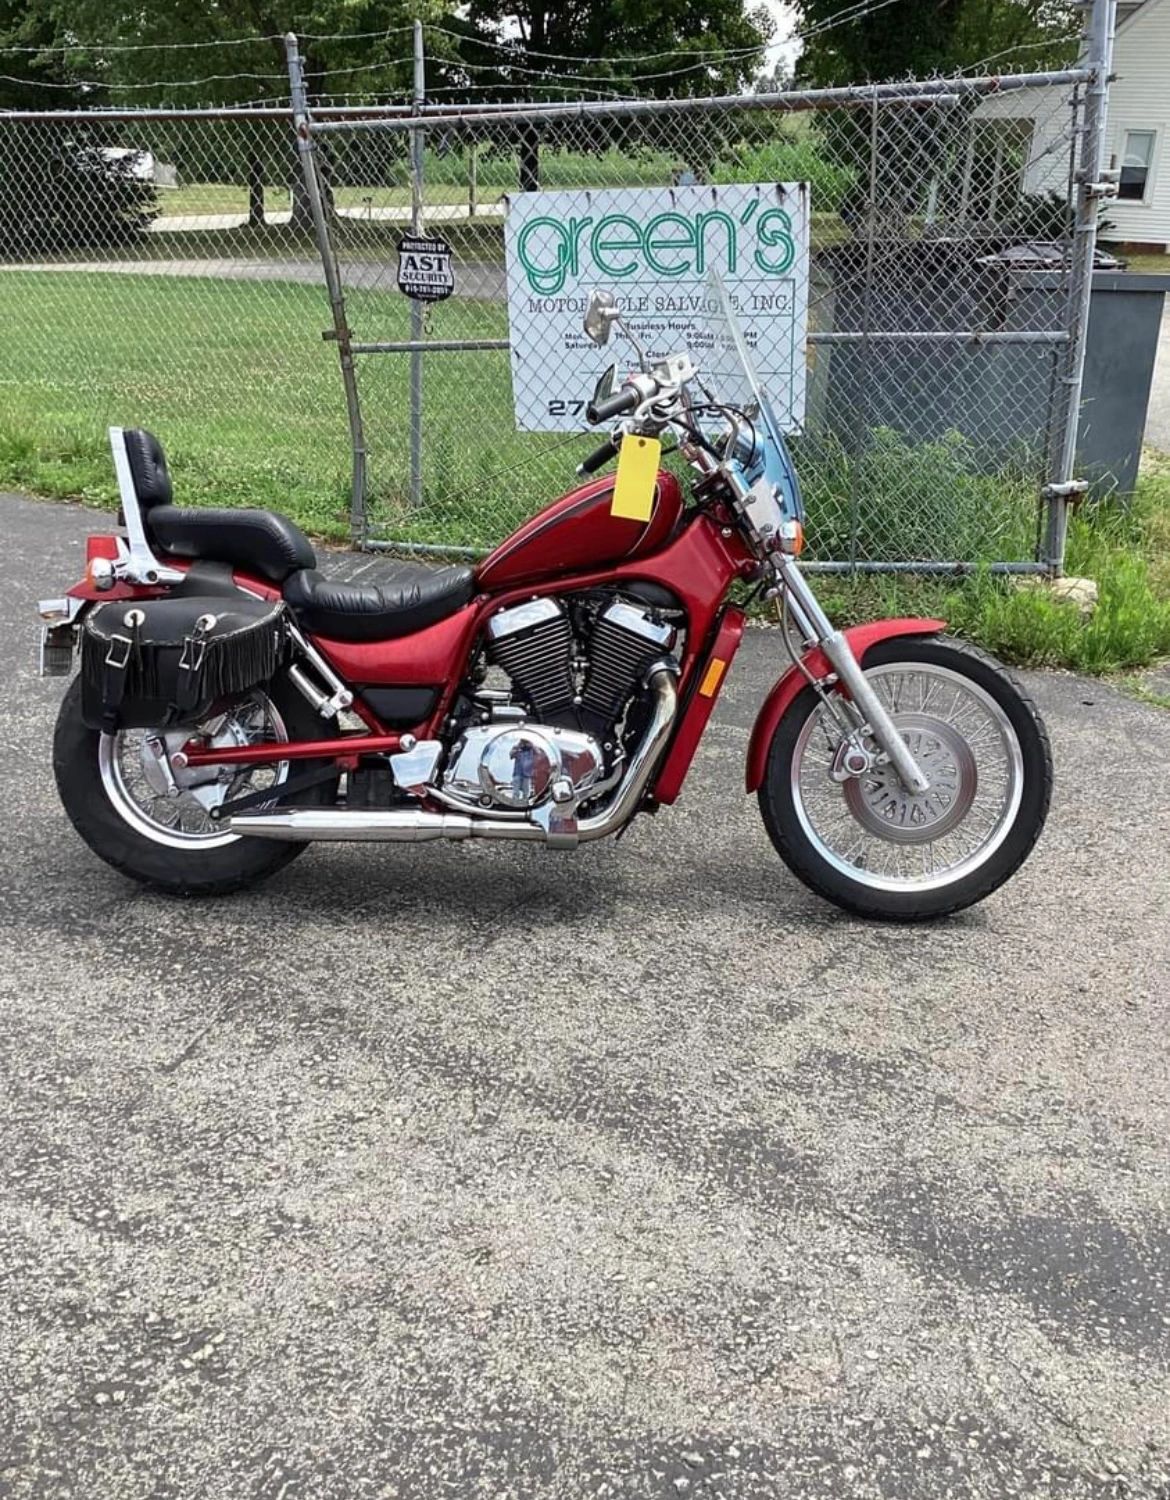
(599, 456)
(613, 406)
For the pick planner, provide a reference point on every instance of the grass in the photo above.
(1124, 546)
(237, 381)
(1146, 263)
(793, 153)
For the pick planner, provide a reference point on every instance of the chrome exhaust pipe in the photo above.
(391, 826)
(414, 825)
(644, 761)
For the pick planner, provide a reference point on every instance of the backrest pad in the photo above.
(148, 468)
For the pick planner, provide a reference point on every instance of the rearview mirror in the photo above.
(600, 316)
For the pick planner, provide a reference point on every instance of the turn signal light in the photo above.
(792, 538)
(99, 574)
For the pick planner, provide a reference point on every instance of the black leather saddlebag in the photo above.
(160, 663)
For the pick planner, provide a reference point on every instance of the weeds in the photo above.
(1123, 545)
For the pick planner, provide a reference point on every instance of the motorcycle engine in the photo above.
(575, 671)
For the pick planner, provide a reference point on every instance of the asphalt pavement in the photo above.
(482, 281)
(483, 1171)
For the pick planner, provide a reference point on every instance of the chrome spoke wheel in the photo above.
(171, 805)
(870, 828)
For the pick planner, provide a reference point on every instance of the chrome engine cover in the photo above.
(519, 766)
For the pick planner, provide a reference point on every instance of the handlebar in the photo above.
(621, 401)
(599, 456)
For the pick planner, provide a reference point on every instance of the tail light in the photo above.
(101, 546)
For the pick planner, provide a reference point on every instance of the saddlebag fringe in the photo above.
(161, 663)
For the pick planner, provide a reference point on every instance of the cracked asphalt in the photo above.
(482, 1172)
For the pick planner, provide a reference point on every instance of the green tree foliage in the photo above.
(533, 50)
(178, 53)
(36, 73)
(918, 38)
(659, 48)
(62, 188)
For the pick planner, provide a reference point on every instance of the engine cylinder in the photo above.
(533, 643)
(624, 642)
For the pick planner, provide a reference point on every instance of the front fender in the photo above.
(861, 638)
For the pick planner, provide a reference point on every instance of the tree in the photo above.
(538, 50)
(236, 47)
(32, 58)
(918, 38)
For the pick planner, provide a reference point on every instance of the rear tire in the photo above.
(185, 869)
(874, 886)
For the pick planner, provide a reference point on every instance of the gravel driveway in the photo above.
(486, 1172)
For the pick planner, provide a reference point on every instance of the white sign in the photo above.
(654, 249)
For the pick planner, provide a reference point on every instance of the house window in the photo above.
(1135, 164)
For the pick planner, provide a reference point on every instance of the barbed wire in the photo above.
(537, 79)
(518, 46)
(712, 55)
(531, 88)
(102, 47)
(64, 49)
(856, 10)
(158, 85)
(162, 85)
(984, 62)
(631, 78)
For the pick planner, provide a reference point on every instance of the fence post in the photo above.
(417, 148)
(341, 333)
(1063, 487)
(861, 418)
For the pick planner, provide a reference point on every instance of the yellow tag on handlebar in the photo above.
(637, 474)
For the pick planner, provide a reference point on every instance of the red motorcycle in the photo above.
(234, 703)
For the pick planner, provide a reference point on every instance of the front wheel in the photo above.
(875, 849)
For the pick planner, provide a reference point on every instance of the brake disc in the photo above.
(882, 805)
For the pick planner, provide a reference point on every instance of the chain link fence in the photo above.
(934, 362)
(162, 270)
(176, 268)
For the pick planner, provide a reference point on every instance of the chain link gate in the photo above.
(943, 378)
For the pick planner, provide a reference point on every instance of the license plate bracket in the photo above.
(57, 643)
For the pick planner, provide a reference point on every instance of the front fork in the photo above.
(817, 629)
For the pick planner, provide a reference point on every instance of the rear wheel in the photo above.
(873, 848)
(157, 827)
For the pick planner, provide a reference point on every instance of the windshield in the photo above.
(728, 368)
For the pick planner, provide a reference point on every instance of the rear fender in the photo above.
(861, 639)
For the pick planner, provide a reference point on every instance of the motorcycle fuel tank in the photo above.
(579, 532)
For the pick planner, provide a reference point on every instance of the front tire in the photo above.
(873, 849)
(172, 845)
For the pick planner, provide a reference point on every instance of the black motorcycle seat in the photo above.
(376, 599)
(259, 541)
(359, 599)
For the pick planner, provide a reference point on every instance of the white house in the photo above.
(1138, 128)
